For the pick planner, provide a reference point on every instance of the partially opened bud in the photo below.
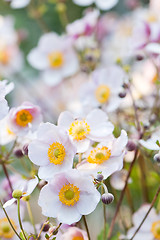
(107, 198)
(17, 193)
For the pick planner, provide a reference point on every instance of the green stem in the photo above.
(10, 221)
(86, 226)
(31, 216)
(19, 218)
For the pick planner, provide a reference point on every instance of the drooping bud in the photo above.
(99, 177)
(17, 193)
(107, 198)
(122, 94)
(131, 146)
(157, 158)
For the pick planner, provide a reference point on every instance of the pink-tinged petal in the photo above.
(9, 202)
(88, 202)
(38, 153)
(31, 185)
(96, 117)
(119, 144)
(101, 131)
(49, 202)
(65, 119)
(38, 59)
(68, 214)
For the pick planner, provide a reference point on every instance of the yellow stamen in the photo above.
(23, 117)
(69, 194)
(78, 238)
(102, 93)
(56, 59)
(4, 56)
(79, 129)
(155, 229)
(56, 153)
(5, 228)
(99, 155)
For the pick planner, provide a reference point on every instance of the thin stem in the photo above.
(105, 220)
(80, 158)
(122, 194)
(45, 223)
(10, 221)
(31, 216)
(19, 218)
(7, 176)
(86, 226)
(153, 202)
(143, 179)
(55, 231)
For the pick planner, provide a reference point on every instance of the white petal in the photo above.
(82, 145)
(19, 3)
(52, 77)
(9, 202)
(106, 4)
(65, 119)
(101, 131)
(119, 144)
(31, 186)
(153, 48)
(68, 214)
(150, 144)
(83, 2)
(38, 153)
(38, 59)
(95, 117)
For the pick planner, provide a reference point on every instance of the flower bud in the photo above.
(122, 94)
(99, 177)
(131, 146)
(107, 198)
(18, 153)
(17, 193)
(52, 229)
(157, 158)
(25, 149)
(46, 228)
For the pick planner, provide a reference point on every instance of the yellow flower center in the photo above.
(69, 194)
(5, 228)
(23, 117)
(56, 153)
(152, 18)
(79, 129)
(56, 59)
(155, 229)
(102, 93)
(4, 57)
(99, 155)
(78, 238)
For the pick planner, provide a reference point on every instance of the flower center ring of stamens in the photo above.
(79, 129)
(56, 59)
(99, 155)
(102, 93)
(23, 117)
(5, 229)
(69, 194)
(56, 153)
(155, 229)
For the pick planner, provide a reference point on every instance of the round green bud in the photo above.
(17, 193)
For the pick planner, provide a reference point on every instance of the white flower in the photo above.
(52, 150)
(102, 4)
(104, 87)
(118, 179)
(94, 127)
(72, 233)
(54, 56)
(153, 142)
(150, 229)
(24, 118)
(26, 187)
(69, 196)
(106, 158)
(19, 3)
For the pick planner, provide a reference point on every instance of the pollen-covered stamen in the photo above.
(56, 153)
(69, 194)
(155, 229)
(102, 93)
(99, 155)
(79, 129)
(4, 56)
(23, 117)
(5, 228)
(56, 59)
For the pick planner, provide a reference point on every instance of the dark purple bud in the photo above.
(46, 228)
(99, 177)
(18, 153)
(122, 94)
(139, 57)
(107, 198)
(131, 146)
